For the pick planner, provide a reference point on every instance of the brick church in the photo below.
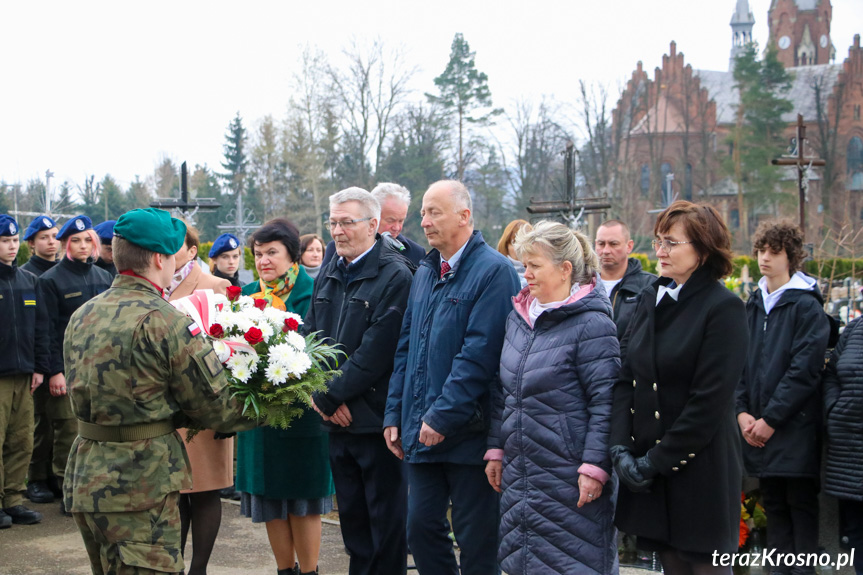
(673, 129)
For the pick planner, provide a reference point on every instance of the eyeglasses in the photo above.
(666, 245)
(345, 225)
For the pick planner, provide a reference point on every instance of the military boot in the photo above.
(290, 570)
(5, 520)
(38, 492)
(20, 515)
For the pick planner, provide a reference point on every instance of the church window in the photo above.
(666, 170)
(857, 112)
(854, 162)
(645, 180)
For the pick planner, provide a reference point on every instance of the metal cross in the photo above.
(803, 164)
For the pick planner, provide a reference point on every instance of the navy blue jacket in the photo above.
(782, 382)
(553, 416)
(25, 348)
(448, 354)
(38, 266)
(64, 288)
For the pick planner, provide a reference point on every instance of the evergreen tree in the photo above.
(757, 135)
(111, 200)
(138, 195)
(6, 201)
(64, 202)
(203, 183)
(90, 194)
(167, 179)
(464, 93)
(235, 163)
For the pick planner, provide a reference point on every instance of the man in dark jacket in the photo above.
(621, 275)
(778, 398)
(23, 364)
(438, 409)
(41, 238)
(359, 302)
(394, 201)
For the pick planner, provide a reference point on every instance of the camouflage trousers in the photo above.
(134, 542)
(16, 437)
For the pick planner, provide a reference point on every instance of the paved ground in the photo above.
(54, 548)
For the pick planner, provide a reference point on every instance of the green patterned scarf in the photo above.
(280, 287)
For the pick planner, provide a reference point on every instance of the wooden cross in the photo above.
(803, 163)
(570, 209)
(186, 209)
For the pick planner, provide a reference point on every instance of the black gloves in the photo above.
(220, 435)
(636, 474)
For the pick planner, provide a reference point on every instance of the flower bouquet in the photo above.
(272, 369)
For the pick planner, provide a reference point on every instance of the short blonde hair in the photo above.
(560, 244)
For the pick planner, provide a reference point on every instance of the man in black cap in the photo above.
(64, 288)
(22, 366)
(41, 238)
(105, 231)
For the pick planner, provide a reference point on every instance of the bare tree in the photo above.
(369, 90)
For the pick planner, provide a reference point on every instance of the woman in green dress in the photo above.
(284, 475)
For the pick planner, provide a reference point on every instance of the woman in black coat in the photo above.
(674, 435)
(843, 408)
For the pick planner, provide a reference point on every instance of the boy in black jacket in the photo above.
(778, 398)
(22, 366)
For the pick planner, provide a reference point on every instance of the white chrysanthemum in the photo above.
(275, 316)
(245, 301)
(296, 340)
(241, 373)
(255, 315)
(243, 323)
(245, 360)
(282, 353)
(221, 299)
(298, 365)
(276, 373)
(266, 330)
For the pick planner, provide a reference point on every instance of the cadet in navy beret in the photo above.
(105, 231)
(22, 364)
(8, 226)
(225, 258)
(39, 224)
(75, 225)
(64, 288)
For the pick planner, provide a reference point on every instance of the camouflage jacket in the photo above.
(130, 359)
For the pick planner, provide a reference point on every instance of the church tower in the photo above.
(741, 30)
(800, 31)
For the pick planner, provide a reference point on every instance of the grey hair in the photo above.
(460, 194)
(386, 190)
(560, 244)
(370, 205)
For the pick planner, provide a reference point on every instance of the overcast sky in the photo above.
(111, 87)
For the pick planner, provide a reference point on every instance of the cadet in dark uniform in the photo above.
(22, 366)
(41, 238)
(128, 464)
(105, 231)
(225, 255)
(64, 288)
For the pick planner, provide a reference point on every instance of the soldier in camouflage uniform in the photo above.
(137, 369)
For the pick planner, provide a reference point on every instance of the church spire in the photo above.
(742, 22)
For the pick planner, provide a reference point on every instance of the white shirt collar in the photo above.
(673, 292)
(454, 259)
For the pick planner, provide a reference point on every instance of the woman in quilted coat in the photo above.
(548, 445)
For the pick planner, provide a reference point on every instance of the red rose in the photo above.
(261, 304)
(291, 325)
(254, 336)
(216, 330)
(234, 292)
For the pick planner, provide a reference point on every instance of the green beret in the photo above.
(152, 229)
